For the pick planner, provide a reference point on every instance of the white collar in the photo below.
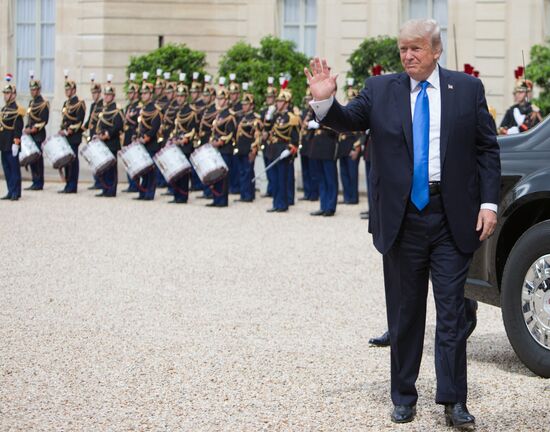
(433, 80)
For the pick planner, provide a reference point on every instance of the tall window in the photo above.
(547, 20)
(300, 24)
(436, 9)
(35, 42)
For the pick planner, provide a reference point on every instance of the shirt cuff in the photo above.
(321, 107)
(489, 206)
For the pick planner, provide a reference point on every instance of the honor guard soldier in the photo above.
(522, 115)
(266, 114)
(310, 167)
(149, 126)
(285, 134)
(160, 98)
(73, 113)
(223, 138)
(11, 129)
(236, 108)
(196, 104)
(131, 116)
(91, 123)
(349, 150)
(167, 127)
(248, 143)
(109, 127)
(186, 124)
(209, 114)
(324, 145)
(38, 115)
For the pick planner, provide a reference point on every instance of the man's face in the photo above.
(221, 102)
(95, 96)
(194, 95)
(145, 96)
(180, 99)
(7, 97)
(158, 91)
(246, 107)
(69, 92)
(35, 92)
(131, 94)
(270, 100)
(108, 98)
(169, 94)
(281, 105)
(519, 96)
(207, 98)
(234, 97)
(418, 57)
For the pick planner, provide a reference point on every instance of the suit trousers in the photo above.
(221, 188)
(148, 182)
(181, 188)
(234, 175)
(71, 172)
(109, 180)
(349, 174)
(12, 172)
(291, 181)
(246, 175)
(37, 170)
(328, 185)
(425, 246)
(281, 187)
(269, 175)
(310, 178)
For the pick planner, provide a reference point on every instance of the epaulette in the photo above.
(21, 110)
(257, 116)
(232, 112)
(293, 119)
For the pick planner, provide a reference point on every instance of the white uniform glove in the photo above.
(312, 124)
(513, 130)
(14, 149)
(269, 113)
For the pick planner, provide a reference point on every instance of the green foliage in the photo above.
(170, 58)
(381, 50)
(273, 57)
(538, 71)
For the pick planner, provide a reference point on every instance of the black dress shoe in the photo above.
(403, 413)
(457, 415)
(203, 197)
(7, 197)
(281, 210)
(31, 187)
(365, 215)
(328, 213)
(243, 200)
(102, 194)
(14, 198)
(138, 198)
(271, 210)
(381, 341)
(175, 201)
(167, 193)
(94, 187)
(318, 213)
(266, 196)
(129, 190)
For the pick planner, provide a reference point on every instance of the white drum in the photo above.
(29, 151)
(136, 159)
(58, 151)
(209, 164)
(98, 155)
(172, 162)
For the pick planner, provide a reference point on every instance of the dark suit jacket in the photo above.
(470, 163)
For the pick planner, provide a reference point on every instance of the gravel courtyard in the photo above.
(118, 315)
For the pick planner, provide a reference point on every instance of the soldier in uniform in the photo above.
(284, 134)
(11, 129)
(38, 116)
(73, 113)
(522, 115)
(196, 104)
(186, 124)
(223, 137)
(209, 113)
(167, 128)
(91, 123)
(324, 147)
(266, 114)
(148, 129)
(310, 167)
(108, 129)
(131, 116)
(236, 108)
(248, 144)
(349, 149)
(160, 98)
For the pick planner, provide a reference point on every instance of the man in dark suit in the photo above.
(435, 181)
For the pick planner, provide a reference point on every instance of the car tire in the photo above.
(533, 244)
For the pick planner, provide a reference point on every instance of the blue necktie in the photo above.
(420, 194)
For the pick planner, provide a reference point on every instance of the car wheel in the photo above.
(525, 298)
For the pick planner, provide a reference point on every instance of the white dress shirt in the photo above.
(322, 107)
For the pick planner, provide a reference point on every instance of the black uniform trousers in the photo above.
(425, 246)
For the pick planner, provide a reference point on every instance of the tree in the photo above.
(381, 50)
(273, 57)
(170, 58)
(538, 71)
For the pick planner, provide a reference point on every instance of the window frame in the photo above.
(38, 58)
(301, 24)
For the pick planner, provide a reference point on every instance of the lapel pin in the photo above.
(450, 86)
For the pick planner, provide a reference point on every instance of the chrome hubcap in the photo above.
(535, 299)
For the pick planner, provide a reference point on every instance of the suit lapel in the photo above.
(447, 111)
(402, 95)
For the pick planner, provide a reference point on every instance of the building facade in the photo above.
(99, 36)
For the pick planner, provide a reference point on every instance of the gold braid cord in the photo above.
(8, 115)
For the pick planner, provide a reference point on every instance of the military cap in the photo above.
(69, 84)
(34, 84)
(181, 90)
(94, 87)
(9, 87)
(109, 88)
(284, 95)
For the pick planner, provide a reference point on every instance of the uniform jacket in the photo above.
(186, 125)
(11, 125)
(111, 120)
(224, 128)
(149, 126)
(131, 117)
(74, 111)
(285, 132)
(38, 115)
(248, 132)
